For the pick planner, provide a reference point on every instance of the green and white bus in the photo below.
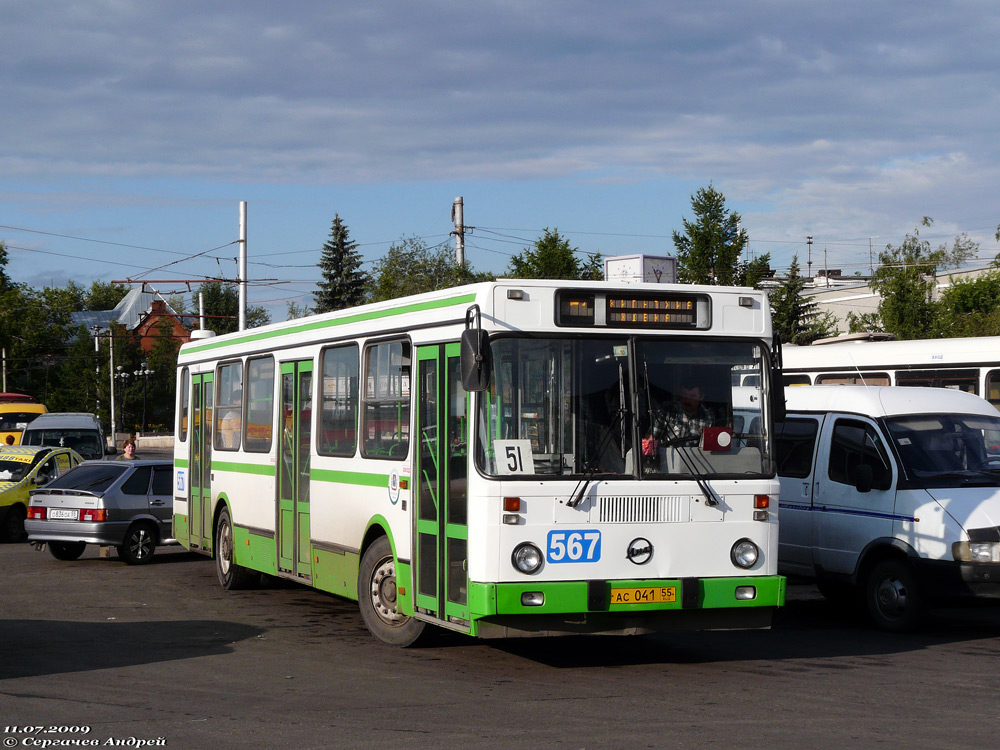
(482, 458)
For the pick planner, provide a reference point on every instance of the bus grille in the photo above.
(654, 509)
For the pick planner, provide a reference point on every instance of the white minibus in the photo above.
(890, 495)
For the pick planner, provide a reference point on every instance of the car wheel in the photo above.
(231, 575)
(13, 524)
(893, 596)
(66, 550)
(377, 598)
(138, 545)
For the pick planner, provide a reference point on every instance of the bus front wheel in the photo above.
(231, 575)
(377, 598)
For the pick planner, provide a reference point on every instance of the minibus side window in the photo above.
(857, 444)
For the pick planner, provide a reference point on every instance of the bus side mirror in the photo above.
(477, 359)
(778, 410)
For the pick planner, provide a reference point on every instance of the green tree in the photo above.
(104, 295)
(296, 310)
(795, 318)
(410, 267)
(970, 307)
(552, 257)
(752, 272)
(5, 281)
(222, 308)
(905, 282)
(868, 322)
(708, 250)
(343, 283)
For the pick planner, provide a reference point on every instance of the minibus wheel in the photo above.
(893, 596)
(377, 598)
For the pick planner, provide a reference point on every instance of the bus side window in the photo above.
(795, 441)
(993, 387)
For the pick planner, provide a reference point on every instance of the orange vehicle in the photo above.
(16, 411)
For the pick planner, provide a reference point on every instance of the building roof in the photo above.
(128, 313)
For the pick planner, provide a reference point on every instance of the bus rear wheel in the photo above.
(231, 576)
(377, 598)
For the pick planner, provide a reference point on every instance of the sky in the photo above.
(132, 129)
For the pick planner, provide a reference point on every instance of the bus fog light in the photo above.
(761, 515)
(744, 554)
(527, 558)
(532, 599)
(511, 519)
(744, 593)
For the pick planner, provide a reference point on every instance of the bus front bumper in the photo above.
(624, 607)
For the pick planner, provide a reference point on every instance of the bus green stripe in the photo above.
(321, 324)
(260, 469)
(350, 477)
(181, 463)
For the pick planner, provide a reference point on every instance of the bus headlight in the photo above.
(527, 558)
(744, 554)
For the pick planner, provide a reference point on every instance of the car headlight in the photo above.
(527, 558)
(976, 552)
(744, 554)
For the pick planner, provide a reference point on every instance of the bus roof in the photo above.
(743, 310)
(892, 354)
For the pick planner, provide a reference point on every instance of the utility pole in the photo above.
(243, 266)
(809, 244)
(457, 216)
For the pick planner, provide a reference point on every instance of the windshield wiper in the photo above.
(593, 463)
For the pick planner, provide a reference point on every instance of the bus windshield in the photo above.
(627, 407)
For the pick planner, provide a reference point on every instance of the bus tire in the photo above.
(893, 597)
(231, 576)
(377, 598)
(67, 550)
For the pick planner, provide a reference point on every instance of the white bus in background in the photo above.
(478, 459)
(965, 364)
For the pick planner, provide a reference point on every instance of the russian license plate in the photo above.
(69, 514)
(644, 595)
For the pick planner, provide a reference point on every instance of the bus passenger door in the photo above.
(440, 548)
(293, 531)
(200, 481)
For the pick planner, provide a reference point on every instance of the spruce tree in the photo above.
(708, 250)
(343, 283)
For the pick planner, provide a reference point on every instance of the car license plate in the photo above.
(644, 595)
(69, 514)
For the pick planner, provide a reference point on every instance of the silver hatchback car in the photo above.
(124, 504)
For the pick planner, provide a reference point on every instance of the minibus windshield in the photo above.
(948, 449)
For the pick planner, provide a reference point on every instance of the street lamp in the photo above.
(122, 377)
(143, 372)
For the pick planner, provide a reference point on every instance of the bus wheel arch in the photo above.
(377, 594)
